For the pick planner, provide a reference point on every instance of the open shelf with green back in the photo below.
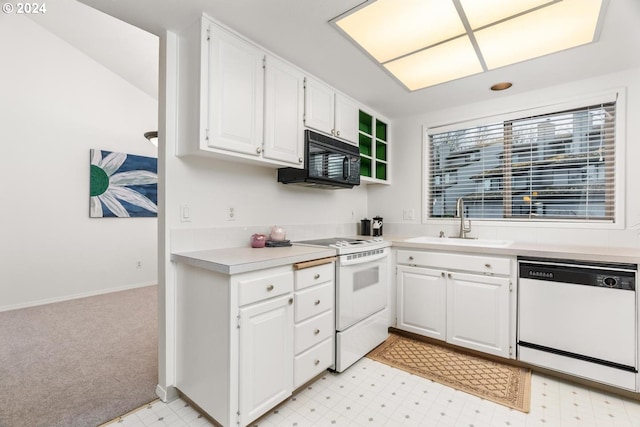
(372, 135)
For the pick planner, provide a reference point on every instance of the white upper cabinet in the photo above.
(236, 90)
(319, 106)
(330, 112)
(236, 101)
(346, 122)
(284, 110)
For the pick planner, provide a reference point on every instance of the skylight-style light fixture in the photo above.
(423, 43)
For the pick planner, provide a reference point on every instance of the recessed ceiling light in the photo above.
(501, 86)
(411, 38)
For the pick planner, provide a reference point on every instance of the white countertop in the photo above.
(241, 260)
(539, 250)
(244, 259)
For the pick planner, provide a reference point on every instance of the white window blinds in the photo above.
(556, 166)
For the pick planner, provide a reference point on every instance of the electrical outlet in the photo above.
(408, 214)
(138, 264)
(231, 214)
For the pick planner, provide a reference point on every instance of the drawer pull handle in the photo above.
(442, 274)
(316, 276)
(316, 332)
(410, 258)
(290, 301)
(270, 288)
(449, 275)
(317, 362)
(317, 302)
(488, 265)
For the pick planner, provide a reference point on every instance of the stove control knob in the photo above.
(610, 282)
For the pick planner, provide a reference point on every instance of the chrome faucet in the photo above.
(460, 213)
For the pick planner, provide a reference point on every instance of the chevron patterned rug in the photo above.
(503, 384)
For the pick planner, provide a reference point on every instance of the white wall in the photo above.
(211, 186)
(55, 104)
(406, 172)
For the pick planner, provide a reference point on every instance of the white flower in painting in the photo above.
(109, 187)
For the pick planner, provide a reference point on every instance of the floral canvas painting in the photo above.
(123, 185)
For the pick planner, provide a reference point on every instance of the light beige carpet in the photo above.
(81, 362)
(500, 383)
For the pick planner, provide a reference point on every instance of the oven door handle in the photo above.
(363, 260)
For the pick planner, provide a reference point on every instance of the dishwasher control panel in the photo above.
(598, 275)
(616, 282)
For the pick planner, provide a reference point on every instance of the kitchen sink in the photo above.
(493, 243)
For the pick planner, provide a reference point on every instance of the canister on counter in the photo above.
(377, 226)
(365, 227)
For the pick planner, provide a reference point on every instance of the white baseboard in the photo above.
(76, 296)
(167, 395)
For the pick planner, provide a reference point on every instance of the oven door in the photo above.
(361, 288)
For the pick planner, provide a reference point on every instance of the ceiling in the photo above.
(299, 32)
(125, 50)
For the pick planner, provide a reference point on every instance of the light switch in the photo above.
(185, 213)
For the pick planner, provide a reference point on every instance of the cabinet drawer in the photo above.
(453, 261)
(314, 275)
(313, 301)
(312, 362)
(256, 288)
(312, 331)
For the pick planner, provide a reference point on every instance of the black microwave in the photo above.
(328, 163)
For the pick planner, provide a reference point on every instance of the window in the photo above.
(554, 166)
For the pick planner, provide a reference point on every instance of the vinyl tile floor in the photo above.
(373, 394)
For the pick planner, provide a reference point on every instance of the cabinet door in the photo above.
(346, 119)
(266, 356)
(422, 301)
(236, 93)
(478, 312)
(319, 107)
(284, 109)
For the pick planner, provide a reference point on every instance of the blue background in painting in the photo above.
(150, 191)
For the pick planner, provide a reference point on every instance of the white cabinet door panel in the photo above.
(266, 356)
(422, 296)
(478, 312)
(284, 110)
(319, 108)
(347, 119)
(236, 93)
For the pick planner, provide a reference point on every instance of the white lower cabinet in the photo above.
(314, 319)
(422, 299)
(266, 366)
(469, 308)
(234, 336)
(478, 312)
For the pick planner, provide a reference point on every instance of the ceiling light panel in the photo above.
(388, 29)
(428, 42)
(485, 12)
(442, 63)
(560, 26)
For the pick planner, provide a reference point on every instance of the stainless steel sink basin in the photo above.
(493, 243)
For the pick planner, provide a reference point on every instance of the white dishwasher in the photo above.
(579, 318)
